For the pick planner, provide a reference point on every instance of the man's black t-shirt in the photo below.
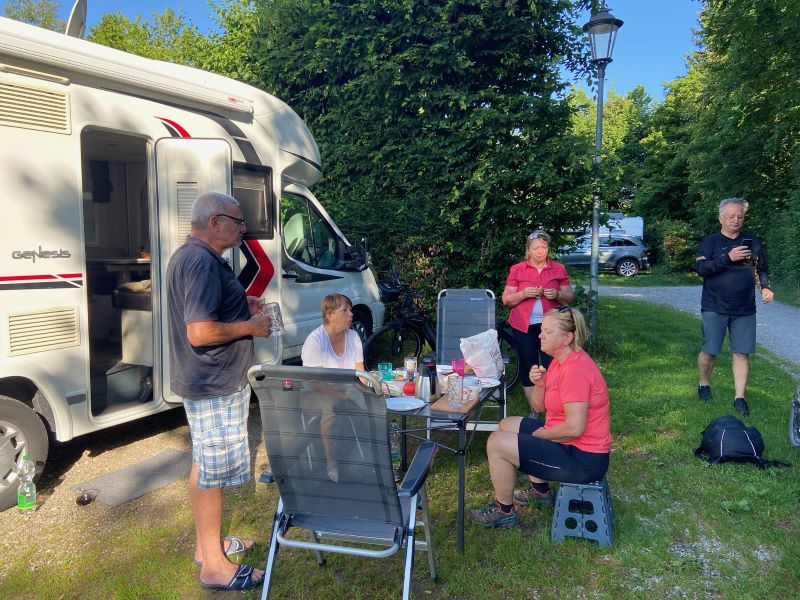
(729, 287)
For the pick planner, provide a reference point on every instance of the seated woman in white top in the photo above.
(333, 345)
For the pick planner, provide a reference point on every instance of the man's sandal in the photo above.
(241, 580)
(236, 545)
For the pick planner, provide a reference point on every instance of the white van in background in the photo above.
(103, 154)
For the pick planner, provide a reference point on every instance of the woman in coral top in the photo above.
(533, 287)
(572, 445)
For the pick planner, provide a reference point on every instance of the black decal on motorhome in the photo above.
(289, 265)
(248, 151)
(304, 159)
(244, 144)
(172, 131)
(42, 285)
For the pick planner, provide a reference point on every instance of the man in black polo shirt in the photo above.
(727, 262)
(211, 330)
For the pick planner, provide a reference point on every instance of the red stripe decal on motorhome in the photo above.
(178, 128)
(30, 277)
(265, 269)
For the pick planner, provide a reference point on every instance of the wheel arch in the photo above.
(364, 309)
(37, 389)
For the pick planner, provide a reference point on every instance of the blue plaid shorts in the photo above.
(220, 446)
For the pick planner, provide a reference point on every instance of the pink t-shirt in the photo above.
(579, 380)
(523, 275)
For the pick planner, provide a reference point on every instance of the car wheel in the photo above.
(21, 432)
(362, 324)
(627, 267)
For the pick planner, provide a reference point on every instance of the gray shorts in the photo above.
(220, 447)
(742, 332)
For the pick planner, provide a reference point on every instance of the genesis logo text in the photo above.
(39, 254)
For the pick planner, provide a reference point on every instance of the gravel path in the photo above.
(778, 324)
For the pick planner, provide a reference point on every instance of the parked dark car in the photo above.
(624, 254)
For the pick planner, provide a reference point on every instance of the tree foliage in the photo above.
(729, 127)
(443, 127)
(170, 36)
(42, 13)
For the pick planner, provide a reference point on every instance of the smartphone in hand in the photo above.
(747, 242)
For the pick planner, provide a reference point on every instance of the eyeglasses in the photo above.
(241, 222)
(564, 308)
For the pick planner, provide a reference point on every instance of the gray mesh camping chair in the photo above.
(462, 313)
(337, 482)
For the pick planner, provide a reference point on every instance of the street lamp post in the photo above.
(602, 29)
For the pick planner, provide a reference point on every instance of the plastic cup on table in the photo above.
(386, 370)
(455, 391)
(458, 366)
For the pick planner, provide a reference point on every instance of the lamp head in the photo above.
(602, 29)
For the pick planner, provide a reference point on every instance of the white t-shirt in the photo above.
(536, 313)
(318, 352)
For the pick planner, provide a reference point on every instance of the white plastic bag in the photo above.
(482, 353)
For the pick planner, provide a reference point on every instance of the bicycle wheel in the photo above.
(391, 343)
(509, 351)
(794, 419)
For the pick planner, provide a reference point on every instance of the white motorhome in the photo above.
(102, 155)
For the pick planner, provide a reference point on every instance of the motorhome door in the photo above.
(185, 169)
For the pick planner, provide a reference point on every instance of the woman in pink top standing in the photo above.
(572, 445)
(533, 287)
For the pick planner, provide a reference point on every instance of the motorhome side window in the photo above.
(251, 187)
(306, 236)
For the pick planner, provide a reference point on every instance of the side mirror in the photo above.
(357, 258)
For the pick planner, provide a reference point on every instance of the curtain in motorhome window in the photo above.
(252, 188)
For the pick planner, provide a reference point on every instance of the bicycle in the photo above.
(411, 329)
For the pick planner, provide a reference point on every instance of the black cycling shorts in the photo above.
(552, 461)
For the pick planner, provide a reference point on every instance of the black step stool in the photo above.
(584, 511)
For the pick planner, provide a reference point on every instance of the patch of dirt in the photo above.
(61, 528)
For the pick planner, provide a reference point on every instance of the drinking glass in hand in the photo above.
(272, 310)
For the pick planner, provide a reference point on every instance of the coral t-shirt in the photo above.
(578, 379)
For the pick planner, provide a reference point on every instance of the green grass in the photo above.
(682, 528)
(657, 276)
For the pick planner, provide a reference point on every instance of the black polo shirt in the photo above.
(201, 286)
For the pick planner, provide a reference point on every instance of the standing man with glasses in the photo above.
(730, 262)
(211, 328)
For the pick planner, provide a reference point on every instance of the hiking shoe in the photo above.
(704, 393)
(740, 404)
(533, 496)
(491, 516)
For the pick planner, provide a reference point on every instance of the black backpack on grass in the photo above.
(728, 439)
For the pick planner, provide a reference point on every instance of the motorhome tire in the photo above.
(362, 323)
(22, 431)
